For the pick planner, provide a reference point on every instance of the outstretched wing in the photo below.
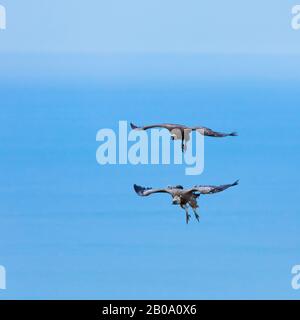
(167, 126)
(212, 189)
(144, 192)
(210, 133)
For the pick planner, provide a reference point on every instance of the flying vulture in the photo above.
(181, 132)
(184, 197)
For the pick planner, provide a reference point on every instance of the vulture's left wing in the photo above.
(210, 133)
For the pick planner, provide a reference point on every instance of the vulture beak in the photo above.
(175, 202)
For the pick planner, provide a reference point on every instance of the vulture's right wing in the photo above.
(144, 192)
(134, 127)
(168, 126)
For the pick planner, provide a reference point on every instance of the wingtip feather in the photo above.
(136, 188)
(133, 126)
(236, 183)
(139, 190)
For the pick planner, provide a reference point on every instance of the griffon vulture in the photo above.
(181, 132)
(184, 197)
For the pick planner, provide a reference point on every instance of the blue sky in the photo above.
(73, 229)
(231, 26)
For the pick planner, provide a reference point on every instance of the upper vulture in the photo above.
(181, 132)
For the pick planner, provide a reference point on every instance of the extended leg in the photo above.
(196, 214)
(187, 216)
(182, 145)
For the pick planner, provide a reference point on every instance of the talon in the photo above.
(188, 218)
